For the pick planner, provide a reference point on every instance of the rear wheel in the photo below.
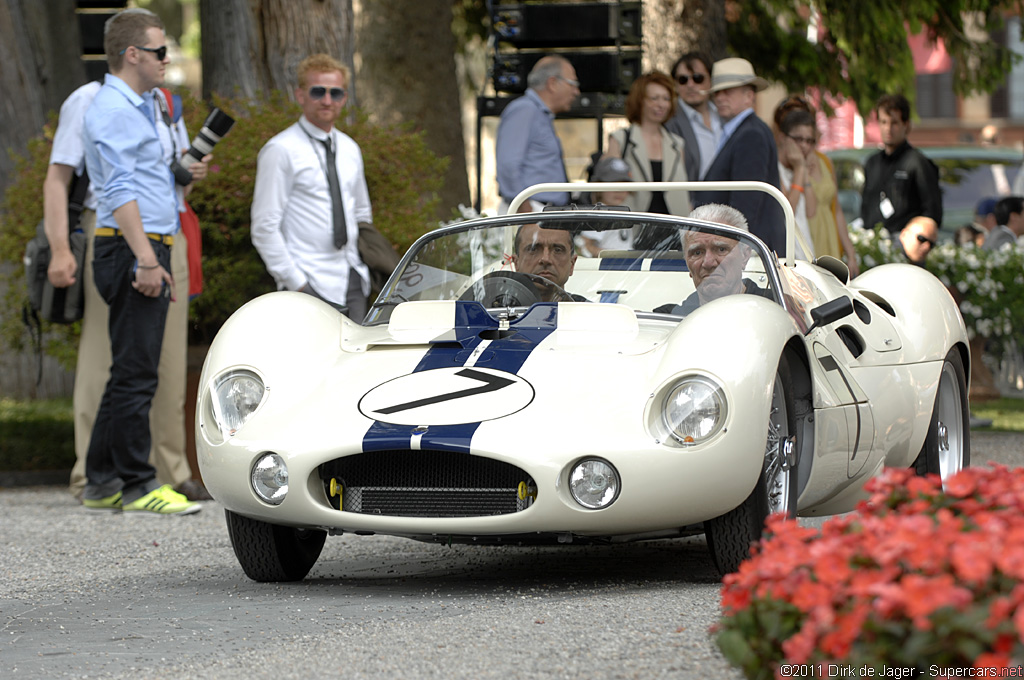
(947, 448)
(270, 552)
(731, 535)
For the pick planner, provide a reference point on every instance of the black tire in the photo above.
(270, 552)
(730, 536)
(947, 448)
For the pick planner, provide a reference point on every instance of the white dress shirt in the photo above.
(291, 211)
(68, 142)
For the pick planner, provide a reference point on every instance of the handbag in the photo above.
(378, 254)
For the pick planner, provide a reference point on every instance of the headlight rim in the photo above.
(664, 423)
(213, 410)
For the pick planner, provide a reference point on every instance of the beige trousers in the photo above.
(167, 414)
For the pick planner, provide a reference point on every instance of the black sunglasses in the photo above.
(159, 52)
(921, 238)
(317, 92)
(698, 78)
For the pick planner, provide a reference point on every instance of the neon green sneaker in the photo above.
(108, 504)
(163, 501)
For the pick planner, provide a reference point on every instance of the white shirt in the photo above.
(68, 140)
(800, 213)
(291, 211)
(707, 138)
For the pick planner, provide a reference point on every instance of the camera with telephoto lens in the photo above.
(216, 126)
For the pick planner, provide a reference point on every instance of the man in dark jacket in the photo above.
(899, 181)
(745, 152)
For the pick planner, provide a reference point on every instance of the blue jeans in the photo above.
(118, 456)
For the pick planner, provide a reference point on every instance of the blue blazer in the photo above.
(749, 154)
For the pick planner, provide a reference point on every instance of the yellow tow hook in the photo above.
(527, 490)
(336, 490)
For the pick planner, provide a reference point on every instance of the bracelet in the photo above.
(152, 266)
(797, 187)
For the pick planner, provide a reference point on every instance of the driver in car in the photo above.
(546, 254)
(715, 262)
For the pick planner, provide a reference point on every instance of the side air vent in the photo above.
(880, 301)
(862, 311)
(852, 339)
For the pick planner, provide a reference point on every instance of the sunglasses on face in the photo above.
(698, 78)
(159, 52)
(921, 238)
(802, 140)
(317, 92)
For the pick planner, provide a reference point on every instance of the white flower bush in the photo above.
(989, 286)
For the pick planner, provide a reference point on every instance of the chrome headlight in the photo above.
(269, 478)
(594, 483)
(234, 397)
(694, 410)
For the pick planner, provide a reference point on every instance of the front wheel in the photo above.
(270, 552)
(947, 448)
(731, 535)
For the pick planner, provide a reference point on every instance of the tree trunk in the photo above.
(251, 47)
(40, 64)
(672, 28)
(407, 73)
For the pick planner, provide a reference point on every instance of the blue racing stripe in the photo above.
(507, 354)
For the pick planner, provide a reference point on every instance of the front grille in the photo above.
(402, 483)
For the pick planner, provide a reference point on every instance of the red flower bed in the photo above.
(917, 578)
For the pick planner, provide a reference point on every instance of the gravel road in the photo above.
(109, 596)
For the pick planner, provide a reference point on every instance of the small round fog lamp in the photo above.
(270, 478)
(594, 483)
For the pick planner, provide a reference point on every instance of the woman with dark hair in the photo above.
(797, 136)
(652, 153)
(826, 222)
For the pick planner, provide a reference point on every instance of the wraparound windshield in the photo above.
(669, 266)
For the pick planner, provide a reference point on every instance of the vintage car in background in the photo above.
(479, 402)
(967, 174)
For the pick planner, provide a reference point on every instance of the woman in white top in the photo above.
(794, 176)
(652, 152)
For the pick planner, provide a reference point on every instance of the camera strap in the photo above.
(161, 99)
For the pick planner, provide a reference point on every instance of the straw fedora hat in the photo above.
(734, 72)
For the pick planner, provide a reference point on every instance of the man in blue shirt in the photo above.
(527, 149)
(136, 218)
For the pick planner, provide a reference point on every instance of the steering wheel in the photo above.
(563, 294)
(504, 289)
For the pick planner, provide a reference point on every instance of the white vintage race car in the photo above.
(688, 381)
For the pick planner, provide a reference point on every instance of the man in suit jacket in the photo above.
(696, 118)
(746, 151)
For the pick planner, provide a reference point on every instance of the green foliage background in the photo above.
(862, 52)
(403, 176)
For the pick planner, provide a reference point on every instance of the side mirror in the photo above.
(830, 312)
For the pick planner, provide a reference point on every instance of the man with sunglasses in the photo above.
(136, 225)
(696, 119)
(917, 239)
(310, 196)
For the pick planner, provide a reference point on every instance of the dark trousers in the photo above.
(118, 456)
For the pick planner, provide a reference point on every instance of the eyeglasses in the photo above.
(802, 140)
(317, 92)
(698, 78)
(921, 238)
(570, 81)
(159, 52)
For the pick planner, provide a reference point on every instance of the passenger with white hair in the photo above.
(715, 261)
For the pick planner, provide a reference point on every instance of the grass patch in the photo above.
(36, 435)
(1007, 414)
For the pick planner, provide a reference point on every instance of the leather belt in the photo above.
(166, 239)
